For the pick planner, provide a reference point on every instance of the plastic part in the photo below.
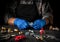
(19, 37)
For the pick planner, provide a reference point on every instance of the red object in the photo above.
(41, 31)
(19, 37)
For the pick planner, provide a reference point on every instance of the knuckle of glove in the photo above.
(21, 24)
(38, 24)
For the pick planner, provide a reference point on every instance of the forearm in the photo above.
(11, 21)
(49, 20)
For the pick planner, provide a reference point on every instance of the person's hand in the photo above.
(20, 23)
(38, 24)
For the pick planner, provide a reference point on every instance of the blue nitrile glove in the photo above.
(20, 23)
(38, 24)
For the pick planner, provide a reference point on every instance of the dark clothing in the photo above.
(28, 9)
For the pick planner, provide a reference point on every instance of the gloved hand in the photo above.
(20, 23)
(38, 24)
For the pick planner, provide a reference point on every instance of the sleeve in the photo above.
(45, 9)
(47, 12)
(10, 11)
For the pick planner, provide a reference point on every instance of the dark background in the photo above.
(55, 6)
(53, 3)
